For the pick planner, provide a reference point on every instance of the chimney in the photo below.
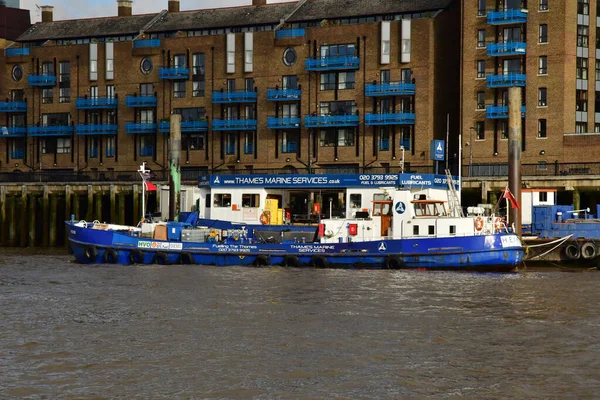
(124, 8)
(173, 6)
(47, 13)
(259, 2)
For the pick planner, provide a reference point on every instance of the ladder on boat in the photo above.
(454, 201)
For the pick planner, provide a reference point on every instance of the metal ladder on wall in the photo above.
(455, 207)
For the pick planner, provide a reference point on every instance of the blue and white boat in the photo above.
(390, 221)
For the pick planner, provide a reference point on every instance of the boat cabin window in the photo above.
(453, 229)
(251, 200)
(380, 197)
(382, 208)
(431, 230)
(222, 200)
(429, 208)
(416, 230)
(355, 200)
(543, 196)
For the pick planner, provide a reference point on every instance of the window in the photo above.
(249, 143)
(193, 142)
(111, 117)
(338, 50)
(146, 66)
(110, 146)
(191, 114)
(580, 127)
(64, 82)
(582, 68)
(147, 116)
(339, 137)
(198, 70)
(415, 230)
(543, 5)
(597, 128)
(582, 36)
(405, 75)
(338, 108)
(328, 81)
(17, 95)
(481, 100)
(385, 76)
(249, 112)
(481, 38)
(480, 69)
(504, 129)
(146, 146)
(251, 200)
(480, 129)
(179, 89)
(346, 80)
(222, 200)
(355, 200)
(231, 85)
(57, 119)
(289, 82)
(230, 58)
(17, 73)
(110, 61)
(289, 57)
(598, 70)
(543, 65)
(431, 229)
(47, 95)
(179, 61)
(146, 89)
(583, 7)
(597, 104)
(543, 196)
(93, 61)
(481, 8)
(198, 88)
(110, 91)
(543, 33)
(289, 110)
(249, 84)
(542, 128)
(94, 92)
(452, 230)
(93, 147)
(384, 138)
(345, 137)
(63, 145)
(230, 144)
(542, 97)
(581, 100)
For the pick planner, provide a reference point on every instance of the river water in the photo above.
(180, 332)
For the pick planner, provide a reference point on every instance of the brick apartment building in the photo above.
(333, 84)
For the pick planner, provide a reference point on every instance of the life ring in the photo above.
(90, 252)
(136, 256)
(589, 250)
(479, 223)
(265, 218)
(393, 262)
(291, 261)
(262, 261)
(161, 258)
(111, 256)
(214, 233)
(319, 262)
(186, 259)
(572, 251)
(498, 224)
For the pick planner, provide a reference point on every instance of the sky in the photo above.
(71, 9)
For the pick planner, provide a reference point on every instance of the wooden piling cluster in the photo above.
(33, 214)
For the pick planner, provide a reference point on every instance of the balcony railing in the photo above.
(174, 73)
(505, 80)
(13, 131)
(506, 49)
(234, 125)
(331, 121)
(97, 129)
(390, 89)
(290, 33)
(500, 112)
(140, 44)
(332, 63)
(283, 122)
(230, 148)
(241, 96)
(63, 130)
(507, 17)
(41, 80)
(289, 147)
(384, 145)
(399, 118)
(13, 106)
(96, 103)
(284, 94)
(17, 51)
(249, 148)
(143, 128)
(146, 151)
(186, 126)
(17, 154)
(140, 101)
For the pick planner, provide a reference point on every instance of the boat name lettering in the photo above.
(312, 249)
(144, 244)
(510, 241)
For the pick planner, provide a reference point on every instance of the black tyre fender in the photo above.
(111, 256)
(136, 256)
(291, 261)
(319, 262)
(589, 250)
(90, 252)
(393, 262)
(262, 261)
(186, 259)
(161, 258)
(572, 251)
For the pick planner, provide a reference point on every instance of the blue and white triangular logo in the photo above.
(216, 181)
(439, 148)
(400, 207)
(382, 247)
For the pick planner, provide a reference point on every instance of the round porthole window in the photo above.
(17, 73)
(146, 66)
(289, 57)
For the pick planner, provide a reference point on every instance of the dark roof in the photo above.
(92, 27)
(223, 17)
(328, 9)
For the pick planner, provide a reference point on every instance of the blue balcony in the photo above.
(96, 103)
(283, 123)
(289, 147)
(140, 101)
(93, 152)
(175, 73)
(330, 121)
(63, 130)
(17, 51)
(249, 148)
(17, 154)
(505, 80)
(13, 106)
(41, 80)
(141, 44)
(506, 49)
(384, 145)
(405, 143)
(399, 118)
(142, 128)
(290, 33)
(390, 89)
(284, 94)
(186, 126)
(98, 129)
(230, 148)
(332, 63)
(233, 97)
(13, 132)
(500, 112)
(146, 151)
(506, 17)
(234, 125)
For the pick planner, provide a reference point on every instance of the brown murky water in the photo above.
(150, 332)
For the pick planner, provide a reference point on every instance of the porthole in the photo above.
(146, 66)
(289, 57)
(17, 73)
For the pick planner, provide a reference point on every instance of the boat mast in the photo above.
(144, 174)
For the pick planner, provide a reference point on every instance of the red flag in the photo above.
(150, 186)
(511, 198)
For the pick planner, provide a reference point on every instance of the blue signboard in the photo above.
(341, 181)
(436, 150)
